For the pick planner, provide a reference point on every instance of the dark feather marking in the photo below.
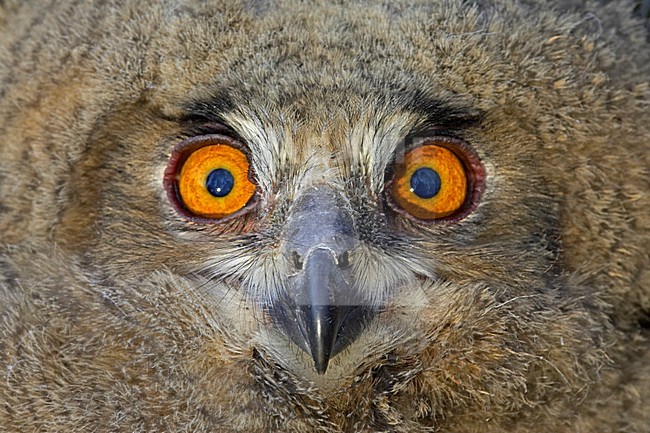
(212, 109)
(441, 117)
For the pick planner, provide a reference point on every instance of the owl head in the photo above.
(422, 212)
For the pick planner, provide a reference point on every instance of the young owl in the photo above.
(311, 216)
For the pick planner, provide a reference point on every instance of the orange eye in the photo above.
(431, 183)
(210, 181)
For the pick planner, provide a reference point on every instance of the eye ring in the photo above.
(474, 176)
(181, 153)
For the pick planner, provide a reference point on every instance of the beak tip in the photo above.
(323, 324)
(321, 365)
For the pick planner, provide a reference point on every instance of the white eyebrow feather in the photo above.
(373, 143)
(267, 146)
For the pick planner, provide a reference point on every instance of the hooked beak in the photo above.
(322, 311)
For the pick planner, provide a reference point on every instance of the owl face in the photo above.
(337, 231)
(338, 193)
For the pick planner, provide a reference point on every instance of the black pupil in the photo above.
(219, 182)
(425, 182)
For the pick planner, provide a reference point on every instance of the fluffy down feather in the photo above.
(528, 315)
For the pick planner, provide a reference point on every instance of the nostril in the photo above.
(343, 260)
(296, 260)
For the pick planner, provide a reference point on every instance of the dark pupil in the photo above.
(219, 182)
(425, 182)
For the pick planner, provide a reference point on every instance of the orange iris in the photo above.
(431, 183)
(206, 197)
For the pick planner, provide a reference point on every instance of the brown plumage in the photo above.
(528, 312)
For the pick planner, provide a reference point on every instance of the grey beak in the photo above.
(322, 311)
(323, 317)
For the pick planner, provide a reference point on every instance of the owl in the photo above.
(313, 216)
